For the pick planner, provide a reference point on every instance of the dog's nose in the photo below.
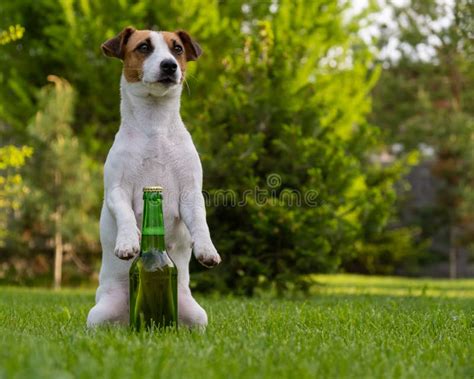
(168, 66)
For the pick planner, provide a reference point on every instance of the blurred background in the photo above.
(366, 108)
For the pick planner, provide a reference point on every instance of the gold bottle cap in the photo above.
(153, 189)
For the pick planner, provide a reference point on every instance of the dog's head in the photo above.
(153, 62)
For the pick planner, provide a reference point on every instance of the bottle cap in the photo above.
(153, 189)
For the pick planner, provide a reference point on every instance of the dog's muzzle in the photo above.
(168, 69)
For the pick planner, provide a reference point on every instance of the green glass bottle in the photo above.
(153, 275)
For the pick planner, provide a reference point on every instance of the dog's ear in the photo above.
(191, 47)
(115, 47)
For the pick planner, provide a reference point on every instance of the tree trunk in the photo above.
(453, 262)
(58, 238)
(58, 255)
(453, 255)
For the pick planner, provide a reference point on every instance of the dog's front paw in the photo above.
(127, 248)
(207, 255)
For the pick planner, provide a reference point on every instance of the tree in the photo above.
(60, 178)
(429, 102)
(285, 113)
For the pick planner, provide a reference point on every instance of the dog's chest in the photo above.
(159, 158)
(156, 166)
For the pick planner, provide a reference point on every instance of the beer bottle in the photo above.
(153, 275)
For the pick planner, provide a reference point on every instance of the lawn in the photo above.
(350, 327)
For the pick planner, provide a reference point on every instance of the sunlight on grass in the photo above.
(392, 286)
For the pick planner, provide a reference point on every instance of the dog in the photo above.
(151, 147)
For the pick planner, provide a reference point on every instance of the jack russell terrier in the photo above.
(152, 147)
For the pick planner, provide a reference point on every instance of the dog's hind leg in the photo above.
(190, 313)
(112, 306)
(112, 302)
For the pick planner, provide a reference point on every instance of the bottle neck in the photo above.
(153, 228)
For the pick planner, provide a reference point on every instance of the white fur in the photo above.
(152, 147)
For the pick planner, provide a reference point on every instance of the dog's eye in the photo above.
(178, 49)
(144, 48)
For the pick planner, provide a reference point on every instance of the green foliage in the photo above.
(12, 34)
(61, 175)
(388, 253)
(12, 158)
(284, 109)
(62, 180)
(431, 104)
(282, 91)
(12, 188)
(354, 327)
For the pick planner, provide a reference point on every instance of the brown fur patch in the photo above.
(191, 47)
(172, 39)
(133, 60)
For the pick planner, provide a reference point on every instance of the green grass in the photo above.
(353, 327)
